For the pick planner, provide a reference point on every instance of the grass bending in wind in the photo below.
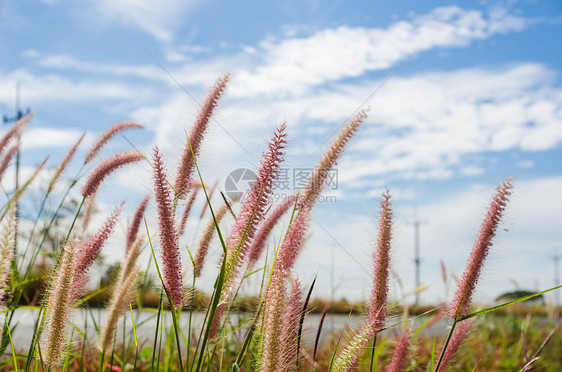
(152, 340)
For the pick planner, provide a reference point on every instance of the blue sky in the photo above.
(461, 96)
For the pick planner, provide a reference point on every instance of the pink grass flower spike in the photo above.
(466, 286)
(186, 166)
(107, 135)
(169, 247)
(105, 168)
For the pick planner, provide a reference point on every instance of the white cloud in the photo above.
(294, 65)
(157, 18)
(49, 137)
(50, 87)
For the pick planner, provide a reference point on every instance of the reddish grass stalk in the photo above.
(466, 286)
(171, 260)
(89, 209)
(321, 172)
(186, 210)
(258, 244)
(107, 135)
(58, 308)
(457, 338)
(14, 131)
(398, 362)
(377, 307)
(255, 205)
(290, 334)
(117, 307)
(107, 167)
(276, 306)
(137, 219)
(293, 242)
(186, 166)
(206, 239)
(90, 248)
(7, 250)
(6, 159)
(64, 163)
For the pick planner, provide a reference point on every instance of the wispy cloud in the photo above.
(294, 65)
(51, 87)
(157, 18)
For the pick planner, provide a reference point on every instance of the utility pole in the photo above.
(417, 260)
(19, 114)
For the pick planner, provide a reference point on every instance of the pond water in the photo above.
(145, 323)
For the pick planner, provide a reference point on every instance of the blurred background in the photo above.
(461, 96)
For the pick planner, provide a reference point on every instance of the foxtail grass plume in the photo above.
(348, 358)
(206, 238)
(255, 204)
(59, 308)
(106, 167)
(120, 298)
(186, 165)
(64, 163)
(135, 224)
(88, 251)
(291, 325)
(258, 243)
(459, 334)
(252, 212)
(7, 158)
(107, 135)
(24, 187)
(466, 286)
(169, 246)
(276, 296)
(14, 131)
(398, 361)
(89, 206)
(322, 170)
(7, 250)
(292, 243)
(211, 191)
(275, 308)
(186, 210)
(377, 307)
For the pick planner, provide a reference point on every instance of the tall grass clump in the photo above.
(159, 307)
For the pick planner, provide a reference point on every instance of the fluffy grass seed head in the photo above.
(59, 308)
(107, 135)
(106, 167)
(322, 170)
(7, 158)
(398, 361)
(206, 238)
(255, 205)
(260, 240)
(186, 165)
(7, 251)
(64, 163)
(187, 209)
(135, 224)
(377, 307)
(466, 286)
(14, 131)
(169, 247)
(459, 334)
